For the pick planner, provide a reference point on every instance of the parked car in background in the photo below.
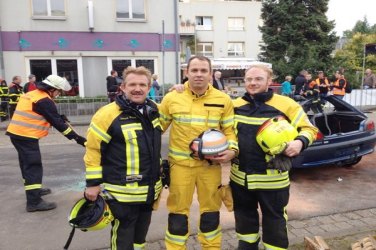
(345, 135)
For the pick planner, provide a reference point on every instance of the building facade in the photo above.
(83, 40)
(220, 28)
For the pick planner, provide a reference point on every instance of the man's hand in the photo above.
(293, 148)
(224, 157)
(178, 87)
(91, 193)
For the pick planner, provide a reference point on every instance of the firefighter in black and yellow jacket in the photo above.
(15, 91)
(3, 99)
(123, 158)
(35, 113)
(256, 180)
(198, 108)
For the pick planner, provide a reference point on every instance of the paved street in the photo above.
(319, 203)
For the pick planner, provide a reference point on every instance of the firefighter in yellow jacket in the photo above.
(198, 108)
(35, 113)
(259, 177)
(3, 100)
(123, 158)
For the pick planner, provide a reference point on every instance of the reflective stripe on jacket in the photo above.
(3, 90)
(190, 115)
(123, 152)
(250, 114)
(25, 122)
(14, 93)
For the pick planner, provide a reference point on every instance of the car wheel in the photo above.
(352, 163)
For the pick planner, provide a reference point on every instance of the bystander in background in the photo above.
(155, 86)
(369, 80)
(15, 91)
(30, 85)
(286, 86)
(3, 100)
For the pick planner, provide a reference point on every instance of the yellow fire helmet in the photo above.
(274, 134)
(90, 216)
(209, 144)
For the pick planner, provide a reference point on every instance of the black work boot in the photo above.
(44, 191)
(41, 206)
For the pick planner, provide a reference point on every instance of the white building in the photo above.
(219, 28)
(84, 39)
(223, 30)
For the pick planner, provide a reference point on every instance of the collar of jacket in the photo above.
(126, 105)
(260, 97)
(187, 88)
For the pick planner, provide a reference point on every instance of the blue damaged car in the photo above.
(345, 135)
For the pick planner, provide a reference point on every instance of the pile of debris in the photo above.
(318, 243)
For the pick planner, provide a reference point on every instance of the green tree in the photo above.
(363, 27)
(296, 35)
(351, 57)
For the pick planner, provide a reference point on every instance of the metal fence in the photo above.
(362, 99)
(79, 106)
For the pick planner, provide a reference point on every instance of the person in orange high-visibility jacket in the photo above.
(34, 114)
(338, 87)
(198, 108)
(255, 180)
(324, 86)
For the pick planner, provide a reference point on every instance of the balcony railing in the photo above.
(187, 30)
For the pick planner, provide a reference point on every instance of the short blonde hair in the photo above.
(288, 78)
(263, 67)
(138, 71)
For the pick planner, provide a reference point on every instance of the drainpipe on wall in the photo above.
(177, 56)
(2, 70)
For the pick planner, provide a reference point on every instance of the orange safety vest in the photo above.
(27, 123)
(337, 91)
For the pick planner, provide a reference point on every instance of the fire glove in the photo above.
(80, 140)
(280, 162)
(165, 173)
(226, 196)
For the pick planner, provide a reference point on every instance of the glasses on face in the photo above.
(255, 79)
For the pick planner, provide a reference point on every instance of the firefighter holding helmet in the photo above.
(271, 129)
(123, 158)
(35, 113)
(198, 108)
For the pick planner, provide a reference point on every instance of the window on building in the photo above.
(120, 64)
(235, 49)
(130, 9)
(204, 23)
(48, 8)
(235, 23)
(205, 49)
(67, 68)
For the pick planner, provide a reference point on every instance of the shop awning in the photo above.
(232, 63)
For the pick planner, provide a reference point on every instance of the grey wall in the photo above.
(95, 74)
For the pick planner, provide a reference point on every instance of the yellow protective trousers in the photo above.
(184, 180)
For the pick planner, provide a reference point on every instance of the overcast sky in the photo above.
(346, 13)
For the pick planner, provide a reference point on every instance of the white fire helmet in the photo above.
(209, 144)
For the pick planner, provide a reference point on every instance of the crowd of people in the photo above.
(262, 130)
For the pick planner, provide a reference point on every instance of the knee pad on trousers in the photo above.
(178, 224)
(209, 221)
